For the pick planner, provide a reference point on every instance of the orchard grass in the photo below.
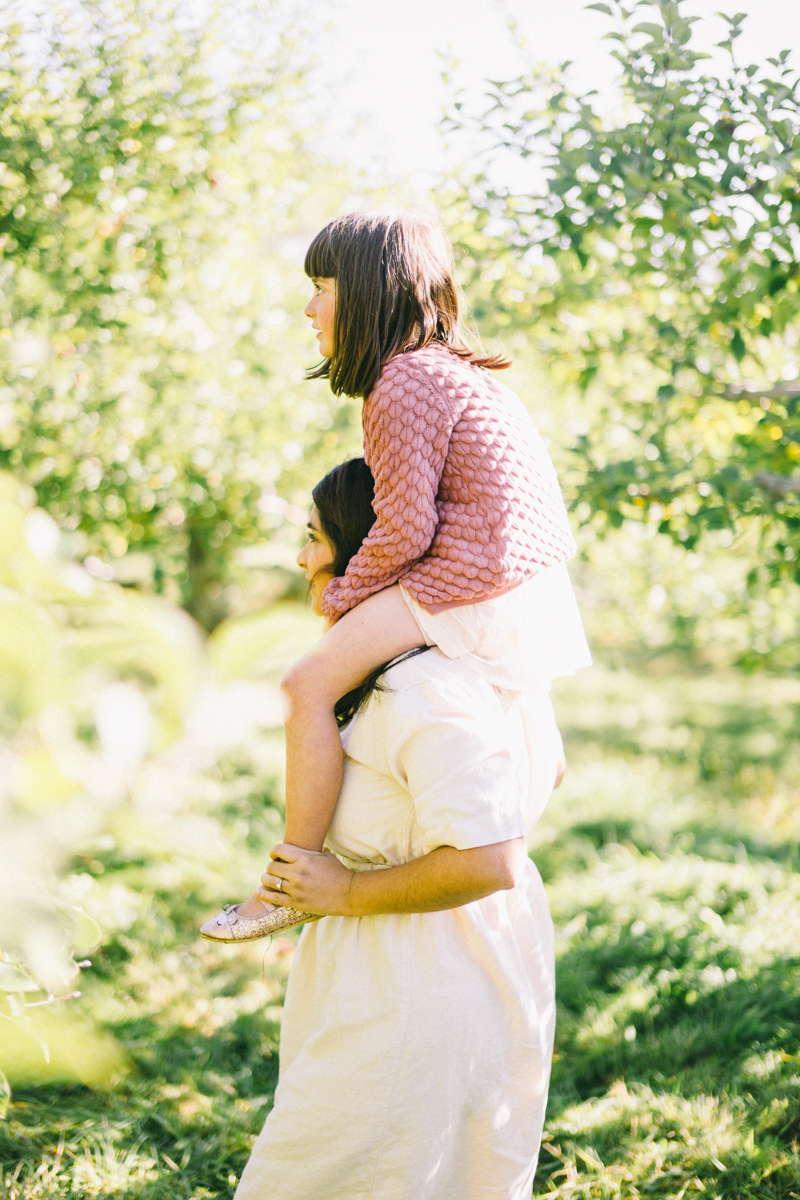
(670, 858)
(200, 1025)
(670, 855)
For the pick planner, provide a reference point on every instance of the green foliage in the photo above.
(93, 678)
(153, 1079)
(152, 175)
(651, 260)
(127, 741)
(645, 598)
(200, 1026)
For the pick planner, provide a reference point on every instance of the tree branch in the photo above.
(777, 485)
(779, 392)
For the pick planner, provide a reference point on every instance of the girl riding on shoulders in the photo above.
(470, 532)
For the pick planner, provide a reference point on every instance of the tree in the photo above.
(153, 171)
(654, 262)
(118, 726)
(81, 661)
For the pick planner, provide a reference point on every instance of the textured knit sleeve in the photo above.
(408, 421)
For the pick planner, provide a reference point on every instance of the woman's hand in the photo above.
(314, 882)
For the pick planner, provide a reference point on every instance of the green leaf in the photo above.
(88, 935)
(14, 979)
(603, 8)
(735, 20)
(656, 31)
(738, 347)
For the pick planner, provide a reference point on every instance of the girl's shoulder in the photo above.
(434, 367)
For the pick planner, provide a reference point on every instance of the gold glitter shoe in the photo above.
(228, 926)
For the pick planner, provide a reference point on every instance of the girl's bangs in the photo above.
(320, 260)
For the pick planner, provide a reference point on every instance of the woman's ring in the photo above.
(278, 886)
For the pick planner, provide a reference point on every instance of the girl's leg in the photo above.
(372, 633)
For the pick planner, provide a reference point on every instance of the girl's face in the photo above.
(316, 559)
(321, 309)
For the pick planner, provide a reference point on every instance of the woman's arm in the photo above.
(444, 878)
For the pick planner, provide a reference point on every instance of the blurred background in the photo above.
(621, 187)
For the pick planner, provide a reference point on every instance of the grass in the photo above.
(200, 1026)
(670, 856)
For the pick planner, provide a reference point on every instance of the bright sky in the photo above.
(382, 64)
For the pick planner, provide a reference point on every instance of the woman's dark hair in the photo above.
(395, 291)
(343, 500)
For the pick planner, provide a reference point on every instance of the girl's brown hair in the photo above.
(395, 291)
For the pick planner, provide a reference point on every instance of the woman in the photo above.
(418, 1025)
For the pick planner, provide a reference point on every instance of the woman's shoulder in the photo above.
(439, 708)
(432, 681)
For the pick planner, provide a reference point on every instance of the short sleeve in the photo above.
(450, 746)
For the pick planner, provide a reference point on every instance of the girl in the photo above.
(471, 535)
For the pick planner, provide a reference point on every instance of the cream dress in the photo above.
(415, 1048)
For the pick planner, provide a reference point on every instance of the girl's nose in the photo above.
(309, 308)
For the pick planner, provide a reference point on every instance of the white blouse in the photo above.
(416, 1047)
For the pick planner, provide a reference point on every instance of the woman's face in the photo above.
(321, 310)
(316, 559)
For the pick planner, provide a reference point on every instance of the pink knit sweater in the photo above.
(467, 504)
